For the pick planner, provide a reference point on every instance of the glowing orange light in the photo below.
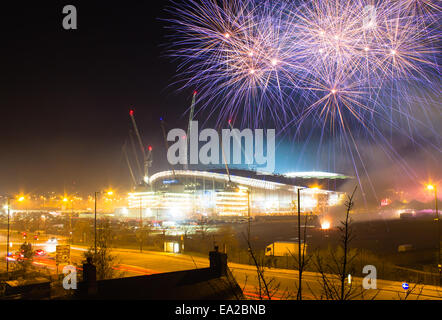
(325, 225)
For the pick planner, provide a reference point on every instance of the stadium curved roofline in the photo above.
(316, 175)
(247, 181)
(220, 176)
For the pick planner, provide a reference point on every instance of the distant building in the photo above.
(181, 194)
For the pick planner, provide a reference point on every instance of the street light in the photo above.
(141, 225)
(109, 193)
(301, 261)
(299, 245)
(432, 187)
(70, 220)
(44, 202)
(244, 189)
(7, 241)
(65, 200)
(21, 199)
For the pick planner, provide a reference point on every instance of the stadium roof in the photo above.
(315, 174)
(254, 179)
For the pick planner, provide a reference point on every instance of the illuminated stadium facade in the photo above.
(185, 194)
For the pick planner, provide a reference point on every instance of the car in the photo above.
(53, 240)
(18, 256)
(40, 252)
(11, 257)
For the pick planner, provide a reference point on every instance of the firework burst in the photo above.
(254, 57)
(345, 67)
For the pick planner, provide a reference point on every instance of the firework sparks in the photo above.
(344, 67)
(254, 58)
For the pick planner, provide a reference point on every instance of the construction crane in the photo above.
(134, 180)
(189, 127)
(166, 144)
(135, 152)
(147, 155)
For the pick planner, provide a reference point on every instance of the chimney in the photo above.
(218, 262)
(90, 277)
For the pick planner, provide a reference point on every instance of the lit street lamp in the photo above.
(248, 210)
(299, 246)
(7, 242)
(70, 219)
(300, 257)
(141, 225)
(21, 199)
(65, 200)
(432, 187)
(109, 193)
(244, 189)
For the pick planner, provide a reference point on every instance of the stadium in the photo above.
(187, 194)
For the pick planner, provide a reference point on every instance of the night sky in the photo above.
(65, 96)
